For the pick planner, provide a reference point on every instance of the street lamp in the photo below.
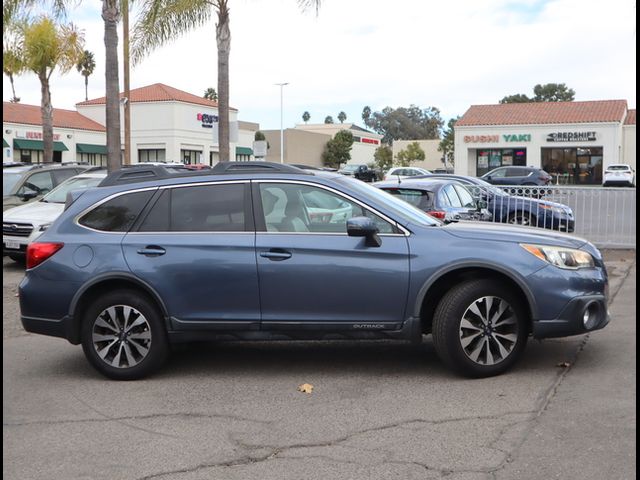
(281, 85)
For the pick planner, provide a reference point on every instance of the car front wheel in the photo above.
(480, 328)
(123, 335)
(523, 218)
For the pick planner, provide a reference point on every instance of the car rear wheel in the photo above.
(480, 328)
(123, 335)
(523, 218)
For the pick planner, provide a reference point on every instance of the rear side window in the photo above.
(465, 197)
(450, 197)
(208, 208)
(117, 214)
(517, 172)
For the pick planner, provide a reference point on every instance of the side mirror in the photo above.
(364, 227)
(28, 195)
(487, 178)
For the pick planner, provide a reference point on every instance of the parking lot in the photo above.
(378, 410)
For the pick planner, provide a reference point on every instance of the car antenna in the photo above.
(399, 181)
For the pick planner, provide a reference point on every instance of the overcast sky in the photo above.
(444, 54)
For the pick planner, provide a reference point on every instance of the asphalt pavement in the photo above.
(378, 410)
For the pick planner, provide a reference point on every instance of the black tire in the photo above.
(448, 329)
(138, 350)
(526, 219)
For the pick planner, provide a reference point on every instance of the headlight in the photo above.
(558, 210)
(568, 258)
(44, 227)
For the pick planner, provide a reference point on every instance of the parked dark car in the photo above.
(26, 183)
(447, 200)
(361, 172)
(525, 176)
(517, 210)
(137, 264)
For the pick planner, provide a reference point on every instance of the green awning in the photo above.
(4, 143)
(91, 148)
(22, 144)
(244, 151)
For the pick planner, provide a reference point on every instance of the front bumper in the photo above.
(570, 321)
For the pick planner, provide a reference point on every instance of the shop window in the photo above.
(189, 157)
(490, 159)
(152, 155)
(573, 166)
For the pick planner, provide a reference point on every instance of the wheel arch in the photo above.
(443, 280)
(105, 283)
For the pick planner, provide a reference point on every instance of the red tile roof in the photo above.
(544, 113)
(158, 92)
(631, 117)
(32, 115)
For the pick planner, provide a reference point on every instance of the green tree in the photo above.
(549, 92)
(413, 153)
(12, 54)
(383, 157)
(447, 144)
(48, 46)
(412, 123)
(211, 94)
(328, 119)
(306, 116)
(517, 98)
(553, 92)
(366, 114)
(338, 149)
(86, 65)
(162, 21)
(342, 117)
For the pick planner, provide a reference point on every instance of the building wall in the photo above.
(70, 137)
(299, 146)
(470, 139)
(433, 157)
(629, 145)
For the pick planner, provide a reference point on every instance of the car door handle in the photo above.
(152, 251)
(276, 254)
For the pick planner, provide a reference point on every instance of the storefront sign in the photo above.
(481, 138)
(35, 135)
(207, 120)
(370, 140)
(571, 137)
(517, 138)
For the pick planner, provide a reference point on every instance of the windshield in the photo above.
(618, 167)
(9, 181)
(59, 194)
(350, 168)
(404, 211)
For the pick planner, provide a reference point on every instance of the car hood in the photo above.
(512, 233)
(539, 202)
(38, 212)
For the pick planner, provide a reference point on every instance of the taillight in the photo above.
(39, 252)
(438, 214)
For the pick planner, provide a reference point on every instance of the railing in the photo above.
(604, 216)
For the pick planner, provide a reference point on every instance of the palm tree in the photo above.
(342, 117)
(48, 46)
(12, 62)
(306, 116)
(111, 17)
(86, 66)
(211, 94)
(161, 21)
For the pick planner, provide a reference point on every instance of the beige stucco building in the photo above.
(433, 157)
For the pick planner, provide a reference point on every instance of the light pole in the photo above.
(281, 85)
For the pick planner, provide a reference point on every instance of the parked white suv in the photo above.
(619, 174)
(22, 225)
(405, 172)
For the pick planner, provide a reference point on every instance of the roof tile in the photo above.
(32, 115)
(544, 113)
(631, 117)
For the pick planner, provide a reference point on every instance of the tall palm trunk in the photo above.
(223, 40)
(14, 99)
(111, 16)
(47, 118)
(86, 87)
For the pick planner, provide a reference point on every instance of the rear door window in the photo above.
(62, 174)
(465, 197)
(450, 193)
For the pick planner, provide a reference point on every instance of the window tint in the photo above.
(418, 198)
(465, 197)
(516, 172)
(61, 175)
(207, 208)
(303, 208)
(39, 182)
(117, 214)
(499, 173)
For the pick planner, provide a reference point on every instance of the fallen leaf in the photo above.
(305, 388)
(563, 364)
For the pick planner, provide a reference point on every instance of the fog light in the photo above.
(590, 315)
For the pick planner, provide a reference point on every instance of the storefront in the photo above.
(573, 141)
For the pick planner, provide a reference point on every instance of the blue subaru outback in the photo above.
(256, 251)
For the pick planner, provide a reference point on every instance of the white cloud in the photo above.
(449, 55)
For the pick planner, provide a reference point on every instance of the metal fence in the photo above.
(604, 216)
